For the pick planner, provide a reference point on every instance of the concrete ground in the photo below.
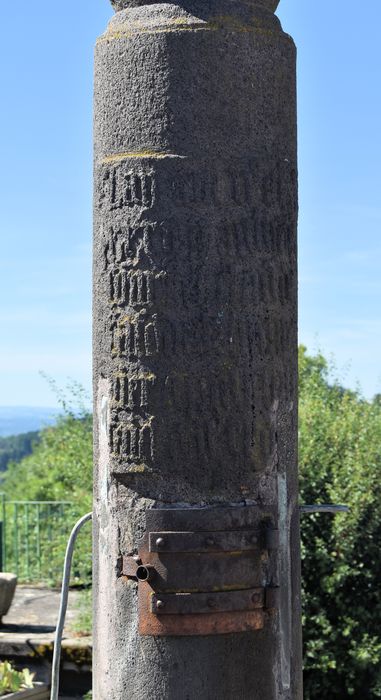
(27, 635)
(36, 609)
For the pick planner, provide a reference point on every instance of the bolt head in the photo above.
(209, 541)
(211, 603)
(160, 542)
(160, 604)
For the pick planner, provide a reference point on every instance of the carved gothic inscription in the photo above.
(199, 276)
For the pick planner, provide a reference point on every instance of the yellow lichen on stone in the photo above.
(139, 469)
(216, 23)
(145, 153)
(126, 34)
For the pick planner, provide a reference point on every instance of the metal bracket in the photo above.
(201, 570)
(323, 508)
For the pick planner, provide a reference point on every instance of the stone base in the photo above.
(8, 584)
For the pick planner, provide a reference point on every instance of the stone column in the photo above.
(195, 341)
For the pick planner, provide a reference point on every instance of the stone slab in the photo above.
(29, 627)
(35, 606)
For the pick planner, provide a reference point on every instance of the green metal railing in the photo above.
(33, 537)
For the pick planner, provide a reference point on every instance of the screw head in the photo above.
(211, 603)
(254, 539)
(160, 542)
(160, 604)
(209, 541)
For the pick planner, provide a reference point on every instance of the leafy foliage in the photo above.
(11, 680)
(60, 466)
(60, 469)
(340, 461)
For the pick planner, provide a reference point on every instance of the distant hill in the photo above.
(24, 419)
(15, 447)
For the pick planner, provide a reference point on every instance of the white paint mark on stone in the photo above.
(104, 415)
(104, 421)
(285, 584)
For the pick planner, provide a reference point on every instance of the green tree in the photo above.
(340, 460)
(60, 466)
(15, 447)
(59, 469)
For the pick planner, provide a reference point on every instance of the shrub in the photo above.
(340, 460)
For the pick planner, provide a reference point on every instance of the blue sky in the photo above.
(46, 143)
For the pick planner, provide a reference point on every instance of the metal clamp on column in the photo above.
(201, 570)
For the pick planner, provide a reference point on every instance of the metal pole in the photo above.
(63, 605)
(323, 508)
(16, 538)
(27, 560)
(4, 533)
(38, 541)
(49, 530)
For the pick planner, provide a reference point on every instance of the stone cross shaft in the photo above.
(195, 353)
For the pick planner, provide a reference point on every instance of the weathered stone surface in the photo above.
(125, 4)
(8, 583)
(194, 322)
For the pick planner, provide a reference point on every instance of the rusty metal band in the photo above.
(197, 603)
(201, 571)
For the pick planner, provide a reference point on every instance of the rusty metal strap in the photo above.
(195, 571)
(193, 603)
(233, 541)
(130, 565)
(209, 518)
(201, 571)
